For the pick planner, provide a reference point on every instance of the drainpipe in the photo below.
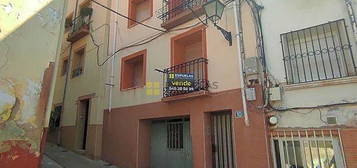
(111, 78)
(241, 56)
(352, 16)
(67, 77)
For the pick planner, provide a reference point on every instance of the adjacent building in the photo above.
(29, 35)
(77, 112)
(308, 54)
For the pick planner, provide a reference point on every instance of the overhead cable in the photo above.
(148, 26)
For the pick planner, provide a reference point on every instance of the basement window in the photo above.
(133, 69)
(310, 148)
(139, 10)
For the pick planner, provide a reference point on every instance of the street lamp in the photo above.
(214, 11)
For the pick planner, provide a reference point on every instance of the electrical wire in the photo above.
(126, 17)
(136, 44)
(144, 41)
(310, 107)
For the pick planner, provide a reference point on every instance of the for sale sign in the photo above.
(180, 82)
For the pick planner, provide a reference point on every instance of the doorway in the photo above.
(82, 123)
(222, 140)
(171, 144)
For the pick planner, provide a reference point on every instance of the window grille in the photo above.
(317, 53)
(173, 8)
(308, 149)
(175, 135)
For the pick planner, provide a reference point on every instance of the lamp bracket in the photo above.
(227, 35)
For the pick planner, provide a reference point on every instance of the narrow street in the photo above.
(58, 157)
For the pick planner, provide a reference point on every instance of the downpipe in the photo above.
(241, 56)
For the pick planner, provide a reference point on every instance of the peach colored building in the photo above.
(174, 97)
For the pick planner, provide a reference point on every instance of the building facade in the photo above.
(26, 75)
(308, 52)
(77, 111)
(164, 87)
(176, 97)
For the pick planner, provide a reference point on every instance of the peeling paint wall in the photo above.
(29, 33)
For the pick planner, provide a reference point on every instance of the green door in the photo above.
(171, 144)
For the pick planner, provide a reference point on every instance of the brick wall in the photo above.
(349, 139)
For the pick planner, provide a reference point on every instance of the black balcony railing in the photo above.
(76, 72)
(172, 8)
(80, 22)
(80, 28)
(196, 67)
(317, 53)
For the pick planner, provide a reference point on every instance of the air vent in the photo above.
(331, 120)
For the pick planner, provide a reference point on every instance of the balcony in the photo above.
(176, 12)
(195, 70)
(80, 29)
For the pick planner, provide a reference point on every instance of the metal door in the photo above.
(171, 144)
(222, 140)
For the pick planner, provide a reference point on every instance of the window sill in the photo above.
(331, 82)
(76, 77)
(132, 88)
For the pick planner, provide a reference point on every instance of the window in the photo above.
(188, 56)
(55, 117)
(139, 10)
(78, 62)
(318, 53)
(69, 21)
(133, 69)
(64, 67)
(307, 149)
(175, 135)
(188, 46)
(85, 4)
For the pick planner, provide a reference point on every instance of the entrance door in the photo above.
(171, 144)
(82, 125)
(222, 140)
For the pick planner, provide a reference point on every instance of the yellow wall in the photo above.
(30, 31)
(91, 81)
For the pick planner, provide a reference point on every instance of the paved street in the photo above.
(49, 163)
(58, 157)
